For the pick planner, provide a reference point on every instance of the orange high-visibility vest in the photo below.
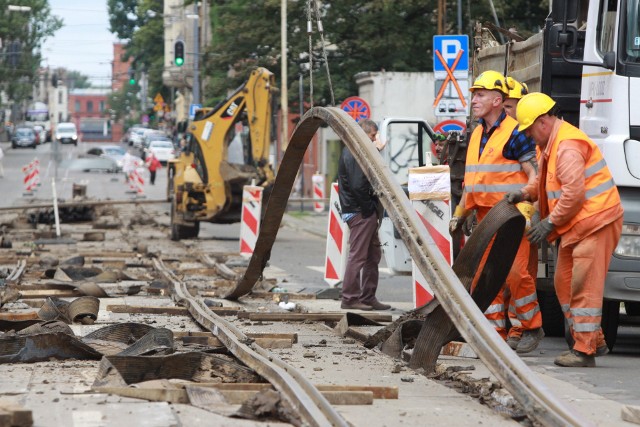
(488, 177)
(601, 192)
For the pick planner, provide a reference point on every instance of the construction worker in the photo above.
(516, 91)
(580, 205)
(501, 159)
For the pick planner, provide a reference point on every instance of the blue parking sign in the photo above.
(449, 48)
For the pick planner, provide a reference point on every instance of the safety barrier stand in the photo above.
(135, 181)
(250, 219)
(318, 192)
(430, 192)
(337, 248)
(31, 178)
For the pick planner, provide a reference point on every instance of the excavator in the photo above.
(227, 148)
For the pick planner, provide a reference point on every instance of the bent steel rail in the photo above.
(513, 373)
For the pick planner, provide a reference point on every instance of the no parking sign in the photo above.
(357, 108)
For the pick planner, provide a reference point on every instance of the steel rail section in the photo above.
(304, 397)
(85, 203)
(16, 273)
(538, 401)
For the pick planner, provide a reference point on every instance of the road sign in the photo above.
(192, 110)
(449, 125)
(451, 72)
(158, 99)
(357, 108)
(449, 48)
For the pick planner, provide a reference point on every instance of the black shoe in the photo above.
(377, 305)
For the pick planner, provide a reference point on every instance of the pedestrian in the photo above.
(361, 210)
(500, 158)
(153, 164)
(1, 165)
(128, 164)
(579, 205)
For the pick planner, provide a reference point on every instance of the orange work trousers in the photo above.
(581, 271)
(519, 290)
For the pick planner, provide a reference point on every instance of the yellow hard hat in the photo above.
(531, 107)
(491, 80)
(516, 89)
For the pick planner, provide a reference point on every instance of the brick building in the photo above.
(89, 110)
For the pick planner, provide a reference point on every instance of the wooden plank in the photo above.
(379, 392)
(212, 341)
(18, 316)
(44, 293)
(282, 295)
(459, 349)
(19, 416)
(301, 317)
(292, 337)
(177, 395)
(141, 309)
(349, 397)
(274, 342)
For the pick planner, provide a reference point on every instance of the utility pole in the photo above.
(196, 54)
(283, 71)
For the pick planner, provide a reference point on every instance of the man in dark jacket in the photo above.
(360, 211)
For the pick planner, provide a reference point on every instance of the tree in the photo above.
(77, 80)
(22, 35)
(141, 24)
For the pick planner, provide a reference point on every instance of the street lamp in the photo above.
(15, 8)
(196, 52)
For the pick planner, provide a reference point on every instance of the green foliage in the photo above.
(77, 80)
(124, 101)
(26, 31)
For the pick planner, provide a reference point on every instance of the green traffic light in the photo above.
(179, 62)
(132, 81)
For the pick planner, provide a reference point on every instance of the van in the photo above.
(66, 133)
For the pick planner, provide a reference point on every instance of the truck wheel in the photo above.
(552, 316)
(632, 308)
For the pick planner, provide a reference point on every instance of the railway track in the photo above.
(178, 286)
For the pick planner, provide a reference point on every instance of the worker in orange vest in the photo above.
(501, 159)
(580, 205)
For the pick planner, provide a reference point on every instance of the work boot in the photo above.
(575, 359)
(355, 306)
(530, 340)
(377, 305)
(600, 351)
(513, 342)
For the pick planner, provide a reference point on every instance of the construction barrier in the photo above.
(337, 248)
(31, 178)
(318, 192)
(250, 220)
(136, 183)
(429, 191)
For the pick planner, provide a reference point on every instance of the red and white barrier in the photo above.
(318, 192)
(337, 248)
(136, 183)
(250, 219)
(429, 190)
(31, 178)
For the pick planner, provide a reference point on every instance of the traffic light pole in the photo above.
(196, 51)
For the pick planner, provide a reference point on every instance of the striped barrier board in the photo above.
(337, 248)
(318, 192)
(250, 219)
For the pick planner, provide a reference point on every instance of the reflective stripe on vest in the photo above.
(600, 190)
(488, 178)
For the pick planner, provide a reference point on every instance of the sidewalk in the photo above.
(310, 222)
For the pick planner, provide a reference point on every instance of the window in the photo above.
(632, 44)
(101, 106)
(77, 106)
(89, 106)
(59, 97)
(606, 26)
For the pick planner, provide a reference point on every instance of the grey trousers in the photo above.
(361, 274)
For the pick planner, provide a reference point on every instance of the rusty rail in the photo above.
(537, 400)
(311, 405)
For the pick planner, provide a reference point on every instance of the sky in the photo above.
(84, 43)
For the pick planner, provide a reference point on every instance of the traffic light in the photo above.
(178, 53)
(132, 76)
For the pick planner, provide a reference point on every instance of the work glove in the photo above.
(469, 224)
(459, 217)
(514, 197)
(539, 232)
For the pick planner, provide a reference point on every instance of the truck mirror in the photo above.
(564, 10)
(559, 38)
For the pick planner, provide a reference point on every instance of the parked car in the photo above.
(151, 135)
(163, 149)
(113, 152)
(66, 133)
(24, 137)
(135, 136)
(90, 163)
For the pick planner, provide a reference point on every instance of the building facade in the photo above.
(89, 110)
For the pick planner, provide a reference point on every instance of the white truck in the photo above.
(588, 59)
